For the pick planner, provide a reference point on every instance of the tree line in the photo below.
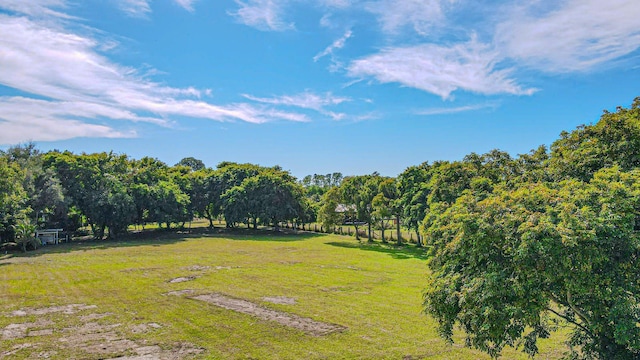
(519, 246)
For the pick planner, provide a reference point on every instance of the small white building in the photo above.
(49, 236)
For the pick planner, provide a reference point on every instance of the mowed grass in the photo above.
(375, 291)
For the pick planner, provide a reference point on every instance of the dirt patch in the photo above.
(65, 309)
(109, 346)
(19, 331)
(182, 279)
(197, 268)
(105, 341)
(180, 292)
(46, 354)
(144, 328)
(177, 351)
(280, 300)
(129, 270)
(310, 326)
(91, 328)
(88, 339)
(90, 317)
(42, 332)
(15, 350)
(223, 268)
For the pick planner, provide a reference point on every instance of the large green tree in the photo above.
(357, 193)
(504, 262)
(13, 198)
(269, 197)
(413, 185)
(97, 185)
(386, 206)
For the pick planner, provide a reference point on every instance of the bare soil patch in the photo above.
(280, 300)
(177, 351)
(143, 328)
(197, 268)
(89, 337)
(223, 268)
(130, 270)
(20, 330)
(180, 292)
(65, 309)
(14, 350)
(310, 326)
(42, 332)
(90, 317)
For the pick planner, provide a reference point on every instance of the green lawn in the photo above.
(372, 290)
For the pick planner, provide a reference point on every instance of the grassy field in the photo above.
(97, 300)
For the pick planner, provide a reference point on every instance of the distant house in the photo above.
(342, 208)
(49, 236)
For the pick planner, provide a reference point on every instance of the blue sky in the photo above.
(353, 86)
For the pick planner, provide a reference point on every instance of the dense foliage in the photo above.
(519, 246)
(528, 244)
(110, 192)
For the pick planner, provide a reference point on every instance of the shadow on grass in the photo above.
(283, 235)
(396, 252)
(160, 237)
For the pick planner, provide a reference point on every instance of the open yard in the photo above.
(210, 295)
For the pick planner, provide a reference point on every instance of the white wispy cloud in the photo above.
(306, 100)
(23, 119)
(142, 8)
(454, 110)
(440, 70)
(35, 7)
(337, 3)
(135, 8)
(186, 4)
(264, 15)
(79, 84)
(575, 35)
(394, 15)
(338, 44)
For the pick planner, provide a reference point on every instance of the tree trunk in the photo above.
(357, 233)
(418, 239)
(398, 230)
(93, 229)
(369, 238)
(255, 224)
(382, 231)
(99, 232)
